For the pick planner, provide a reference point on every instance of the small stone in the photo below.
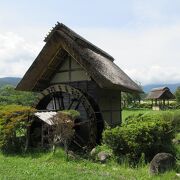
(103, 156)
(176, 141)
(93, 152)
(161, 163)
(72, 155)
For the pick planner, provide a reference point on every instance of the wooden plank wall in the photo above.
(108, 101)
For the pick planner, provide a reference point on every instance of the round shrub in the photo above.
(140, 134)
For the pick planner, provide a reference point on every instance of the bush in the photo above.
(176, 121)
(177, 94)
(13, 125)
(142, 105)
(71, 113)
(140, 134)
(63, 128)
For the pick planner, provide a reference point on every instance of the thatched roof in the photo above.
(97, 63)
(160, 93)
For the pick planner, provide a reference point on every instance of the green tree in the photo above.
(130, 99)
(8, 95)
(177, 94)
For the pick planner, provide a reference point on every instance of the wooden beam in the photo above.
(59, 52)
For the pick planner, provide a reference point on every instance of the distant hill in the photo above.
(9, 81)
(172, 87)
(14, 81)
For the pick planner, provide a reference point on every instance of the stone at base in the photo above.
(161, 163)
(103, 156)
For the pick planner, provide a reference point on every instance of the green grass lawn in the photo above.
(126, 112)
(48, 166)
(44, 165)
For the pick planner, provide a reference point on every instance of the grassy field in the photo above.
(47, 166)
(126, 113)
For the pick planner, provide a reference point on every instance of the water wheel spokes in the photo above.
(64, 97)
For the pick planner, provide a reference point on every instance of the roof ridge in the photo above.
(102, 69)
(163, 88)
(79, 39)
(52, 30)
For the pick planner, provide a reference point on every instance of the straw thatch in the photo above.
(97, 63)
(160, 93)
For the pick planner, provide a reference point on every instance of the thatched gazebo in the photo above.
(160, 97)
(72, 73)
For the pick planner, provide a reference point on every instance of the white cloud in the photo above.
(16, 54)
(155, 74)
(146, 55)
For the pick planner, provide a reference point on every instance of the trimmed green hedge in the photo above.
(142, 134)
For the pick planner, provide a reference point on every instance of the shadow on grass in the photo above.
(46, 154)
(33, 153)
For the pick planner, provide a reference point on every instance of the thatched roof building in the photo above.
(160, 94)
(72, 73)
(98, 64)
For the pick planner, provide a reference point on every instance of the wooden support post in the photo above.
(155, 102)
(120, 109)
(54, 102)
(164, 102)
(59, 105)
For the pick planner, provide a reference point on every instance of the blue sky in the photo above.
(143, 36)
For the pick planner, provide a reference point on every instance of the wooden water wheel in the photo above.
(65, 97)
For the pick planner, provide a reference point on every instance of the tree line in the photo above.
(8, 95)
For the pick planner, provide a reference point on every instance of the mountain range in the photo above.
(9, 81)
(15, 80)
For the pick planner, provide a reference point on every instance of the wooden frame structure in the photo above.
(159, 96)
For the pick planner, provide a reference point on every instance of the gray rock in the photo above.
(72, 155)
(161, 163)
(103, 156)
(93, 152)
(176, 141)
